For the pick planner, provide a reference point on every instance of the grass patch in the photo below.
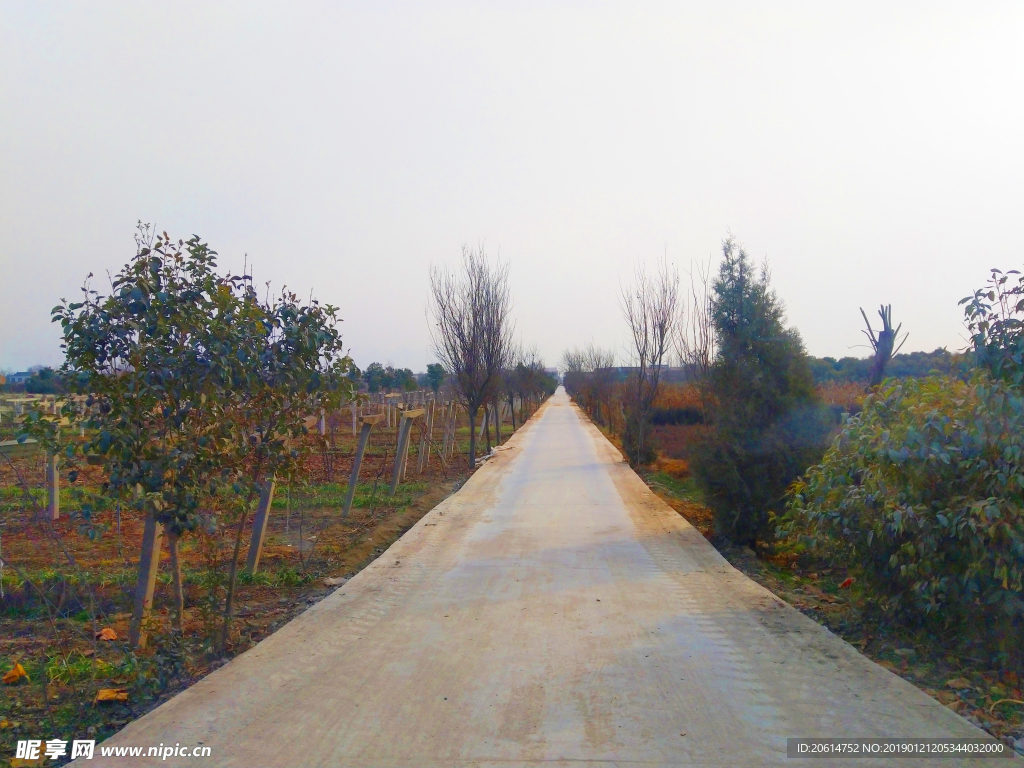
(682, 488)
(331, 495)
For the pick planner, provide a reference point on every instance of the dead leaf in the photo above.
(106, 634)
(20, 762)
(959, 682)
(17, 672)
(846, 582)
(112, 694)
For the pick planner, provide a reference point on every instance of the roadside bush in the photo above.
(686, 416)
(922, 494)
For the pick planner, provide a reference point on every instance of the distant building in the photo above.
(19, 378)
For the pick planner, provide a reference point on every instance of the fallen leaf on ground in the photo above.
(959, 682)
(17, 672)
(106, 634)
(20, 762)
(112, 694)
(846, 582)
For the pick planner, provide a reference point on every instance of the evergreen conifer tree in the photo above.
(767, 424)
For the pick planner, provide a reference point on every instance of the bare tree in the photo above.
(588, 376)
(601, 364)
(472, 328)
(650, 307)
(694, 337)
(883, 344)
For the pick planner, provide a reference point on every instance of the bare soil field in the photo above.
(68, 585)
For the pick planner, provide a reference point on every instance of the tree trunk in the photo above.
(229, 602)
(497, 421)
(472, 438)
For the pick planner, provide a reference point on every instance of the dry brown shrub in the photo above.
(847, 394)
(677, 396)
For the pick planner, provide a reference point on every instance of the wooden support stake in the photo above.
(403, 446)
(355, 417)
(408, 414)
(364, 437)
(52, 486)
(424, 441)
(322, 424)
(149, 563)
(430, 432)
(178, 599)
(259, 527)
(453, 426)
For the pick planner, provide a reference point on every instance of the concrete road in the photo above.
(553, 611)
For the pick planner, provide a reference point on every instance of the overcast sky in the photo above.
(872, 152)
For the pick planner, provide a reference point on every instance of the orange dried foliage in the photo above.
(677, 396)
(674, 467)
(846, 394)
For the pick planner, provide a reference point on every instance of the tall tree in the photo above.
(435, 376)
(472, 328)
(883, 344)
(766, 426)
(650, 307)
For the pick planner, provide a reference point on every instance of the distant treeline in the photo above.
(907, 364)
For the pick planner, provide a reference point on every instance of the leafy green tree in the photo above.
(375, 377)
(435, 376)
(197, 389)
(402, 378)
(995, 317)
(766, 426)
(922, 496)
(44, 381)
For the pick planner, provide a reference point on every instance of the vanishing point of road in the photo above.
(552, 612)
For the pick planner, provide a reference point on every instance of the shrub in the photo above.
(686, 416)
(923, 493)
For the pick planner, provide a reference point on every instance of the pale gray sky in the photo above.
(871, 151)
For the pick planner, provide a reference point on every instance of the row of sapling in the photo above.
(589, 374)
(197, 391)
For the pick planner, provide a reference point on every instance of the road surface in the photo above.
(553, 611)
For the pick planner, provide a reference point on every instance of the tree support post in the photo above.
(52, 487)
(364, 437)
(401, 454)
(259, 527)
(176, 583)
(424, 453)
(453, 429)
(149, 564)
